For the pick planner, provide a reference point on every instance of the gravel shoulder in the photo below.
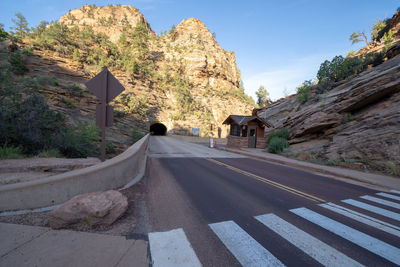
(123, 226)
(23, 170)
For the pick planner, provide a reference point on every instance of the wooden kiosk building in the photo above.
(247, 131)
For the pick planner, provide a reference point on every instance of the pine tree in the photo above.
(20, 30)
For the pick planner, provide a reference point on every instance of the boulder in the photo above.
(98, 208)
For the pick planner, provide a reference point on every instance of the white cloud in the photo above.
(288, 77)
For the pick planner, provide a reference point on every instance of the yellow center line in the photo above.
(267, 181)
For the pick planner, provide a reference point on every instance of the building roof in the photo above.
(244, 120)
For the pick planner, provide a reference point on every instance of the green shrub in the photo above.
(277, 144)
(282, 133)
(388, 37)
(73, 89)
(29, 123)
(136, 135)
(27, 51)
(333, 162)
(10, 152)
(80, 142)
(277, 141)
(379, 29)
(392, 168)
(50, 153)
(347, 118)
(303, 92)
(17, 65)
(110, 147)
(119, 113)
(134, 104)
(67, 102)
(43, 80)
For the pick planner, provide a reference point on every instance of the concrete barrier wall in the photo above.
(110, 174)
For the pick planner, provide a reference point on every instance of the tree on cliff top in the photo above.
(357, 37)
(20, 30)
(262, 96)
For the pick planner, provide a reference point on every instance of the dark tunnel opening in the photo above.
(158, 129)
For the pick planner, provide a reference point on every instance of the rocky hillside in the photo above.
(183, 79)
(355, 124)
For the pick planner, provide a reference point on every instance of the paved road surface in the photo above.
(212, 208)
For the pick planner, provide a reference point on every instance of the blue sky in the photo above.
(278, 44)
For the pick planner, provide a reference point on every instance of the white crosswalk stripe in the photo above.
(172, 249)
(384, 226)
(370, 243)
(389, 195)
(377, 210)
(382, 201)
(318, 250)
(395, 191)
(245, 249)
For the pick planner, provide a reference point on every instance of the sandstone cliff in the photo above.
(188, 56)
(356, 124)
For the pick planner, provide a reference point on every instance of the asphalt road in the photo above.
(213, 208)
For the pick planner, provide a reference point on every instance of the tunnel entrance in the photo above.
(158, 129)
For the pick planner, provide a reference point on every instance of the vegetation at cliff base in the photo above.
(277, 141)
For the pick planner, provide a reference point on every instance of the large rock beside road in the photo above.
(98, 208)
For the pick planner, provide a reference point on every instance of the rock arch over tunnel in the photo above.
(158, 129)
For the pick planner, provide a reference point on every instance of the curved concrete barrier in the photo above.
(126, 168)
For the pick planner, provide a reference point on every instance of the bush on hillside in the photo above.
(136, 135)
(379, 29)
(303, 91)
(80, 142)
(28, 123)
(388, 37)
(17, 65)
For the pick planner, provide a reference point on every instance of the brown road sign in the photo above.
(105, 86)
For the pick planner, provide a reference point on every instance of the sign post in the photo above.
(106, 87)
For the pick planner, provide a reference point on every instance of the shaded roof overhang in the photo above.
(244, 120)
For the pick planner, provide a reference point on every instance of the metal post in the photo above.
(103, 126)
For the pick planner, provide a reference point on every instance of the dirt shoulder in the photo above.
(123, 226)
(23, 170)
